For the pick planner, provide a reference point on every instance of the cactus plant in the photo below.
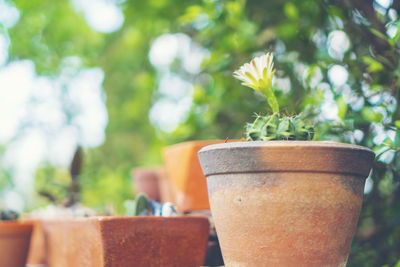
(258, 75)
(141, 206)
(275, 127)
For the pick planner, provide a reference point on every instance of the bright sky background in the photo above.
(176, 93)
(33, 101)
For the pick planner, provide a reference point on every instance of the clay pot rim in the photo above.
(286, 156)
(196, 143)
(15, 228)
(153, 169)
(153, 218)
(284, 144)
(128, 218)
(16, 223)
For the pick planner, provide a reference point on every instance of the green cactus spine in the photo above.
(142, 206)
(275, 127)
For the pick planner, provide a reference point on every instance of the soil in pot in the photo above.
(14, 243)
(287, 203)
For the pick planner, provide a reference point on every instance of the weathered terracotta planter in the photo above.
(126, 241)
(182, 167)
(36, 254)
(167, 190)
(14, 243)
(147, 182)
(285, 203)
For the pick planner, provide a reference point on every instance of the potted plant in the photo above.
(183, 169)
(36, 255)
(167, 191)
(48, 214)
(154, 183)
(144, 240)
(63, 206)
(147, 180)
(280, 199)
(14, 239)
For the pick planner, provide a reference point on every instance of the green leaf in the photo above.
(192, 12)
(373, 65)
(235, 8)
(288, 30)
(378, 34)
(395, 38)
(370, 115)
(141, 205)
(291, 10)
(342, 107)
(397, 138)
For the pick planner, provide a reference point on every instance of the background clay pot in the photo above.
(147, 182)
(285, 203)
(14, 243)
(127, 241)
(167, 190)
(36, 254)
(182, 167)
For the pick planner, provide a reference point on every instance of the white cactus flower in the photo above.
(260, 69)
(258, 75)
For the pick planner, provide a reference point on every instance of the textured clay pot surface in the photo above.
(285, 203)
(14, 243)
(36, 254)
(183, 168)
(147, 182)
(167, 189)
(127, 241)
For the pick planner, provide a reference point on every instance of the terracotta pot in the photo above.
(183, 169)
(126, 241)
(147, 181)
(14, 243)
(285, 203)
(167, 190)
(36, 254)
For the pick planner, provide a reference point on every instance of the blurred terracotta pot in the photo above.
(126, 241)
(182, 167)
(167, 191)
(14, 243)
(147, 181)
(285, 203)
(36, 254)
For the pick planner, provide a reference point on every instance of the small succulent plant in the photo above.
(258, 75)
(141, 206)
(8, 215)
(275, 127)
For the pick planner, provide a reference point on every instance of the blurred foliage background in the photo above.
(337, 61)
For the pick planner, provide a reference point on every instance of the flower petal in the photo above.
(258, 75)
